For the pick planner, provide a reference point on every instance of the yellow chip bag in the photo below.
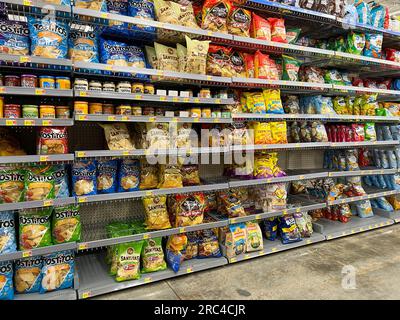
(156, 213)
(182, 57)
(167, 57)
(273, 102)
(196, 56)
(258, 103)
(262, 133)
(170, 176)
(166, 11)
(279, 132)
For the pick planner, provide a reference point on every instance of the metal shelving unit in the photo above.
(21, 91)
(66, 294)
(36, 204)
(394, 215)
(95, 280)
(37, 158)
(362, 172)
(33, 62)
(28, 122)
(369, 195)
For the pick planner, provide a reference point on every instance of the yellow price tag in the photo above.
(160, 72)
(343, 201)
(233, 220)
(175, 119)
(147, 280)
(352, 231)
(138, 97)
(284, 212)
(47, 203)
(369, 227)
(216, 120)
(209, 78)
(86, 295)
(186, 99)
(258, 216)
(163, 98)
(189, 270)
(196, 120)
(125, 153)
(2, 90)
(26, 254)
(301, 177)
(247, 256)
(329, 237)
(29, 123)
(361, 229)
(27, 2)
(124, 118)
(233, 260)
(149, 193)
(104, 15)
(43, 158)
(196, 100)
(297, 145)
(274, 249)
(152, 119)
(83, 246)
(11, 122)
(82, 93)
(308, 241)
(82, 199)
(209, 33)
(182, 230)
(81, 154)
(47, 123)
(297, 209)
(108, 67)
(217, 100)
(111, 118)
(260, 253)
(175, 99)
(40, 92)
(146, 236)
(82, 117)
(24, 59)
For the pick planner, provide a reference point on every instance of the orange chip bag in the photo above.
(249, 62)
(218, 61)
(265, 67)
(260, 28)
(239, 21)
(278, 30)
(215, 14)
(262, 133)
(279, 132)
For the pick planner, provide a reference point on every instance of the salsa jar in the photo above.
(125, 110)
(137, 87)
(109, 86)
(30, 111)
(81, 107)
(47, 111)
(63, 83)
(108, 108)
(136, 110)
(47, 82)
(95, 85)
(124, 87)
(62, 112)
(12, 111)
(95, 108)
(28, 81)
(149, 89)
(148, 111)
(12, 81)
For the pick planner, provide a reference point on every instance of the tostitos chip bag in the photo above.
(34, 229)
(11, 184)
(128, 175)
(215, 15)
(278, 31)
(14, 37)
(6, 281)
(83, 46)
(260, 28)
(239, 21)
(8, 242)
(39, 183)
(84, 182)
(49, 37)
(265, 67)
(27, 277)
(66, 224)
(52, 140)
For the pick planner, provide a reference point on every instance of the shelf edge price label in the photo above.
(160, 72)
(82, 117)
(308, 241)
(216, 120)
(86, 295)
(29, 123)
(217, 100)
(297, 209)
(149, 193)
(39, 92)
(233, 260)
(47, 203)
(47, 123)
(146, 236)
(125, 153)
(196, 120)
(43, 158)
(82, 199)
(138, 97)
(301, 177)
(27, 3)
(111, 118)
(124, 118)
(147, 280)
(81, 154)
(24, 59)
(209, 33)
(82, 93)
(352, 231)
(258, 216)
(182, 230)
(11, 122)
(26, 254)
(246, 256)
(2, 90)
(83, 246)
(209, 78)
(189, 270)
(274, 249)
(329, 237)
(260, 253)
(104, 15)
(152, 119)
(175, 99)
(163, 98)
(233, 220)
(196, 100)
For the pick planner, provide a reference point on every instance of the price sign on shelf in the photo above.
(82, 199)
(81, 154)
(43, 158)
(26, 254)
(25, 59)
(39, 92)
(86, 295)
(217, 100)
(182, 230)
(111, 118)
(146, 236)
(11, 122)
(2, 90)
(82, 93)
(138, 97)
(47, 123)
(189, 270)
(149, 193)
(47, 203)
(147, 280)
(274, 249)
(29, 123)
(83, 246)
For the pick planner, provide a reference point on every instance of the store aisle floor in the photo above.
(312, 272)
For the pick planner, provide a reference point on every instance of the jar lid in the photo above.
(29, 75)
(62, 107)
(11, 76)
(81, 79)
(46, 106)
(51, 77)
(12, 105)
(62, 78)
(124, 82)
(81, 102)
(29, 106)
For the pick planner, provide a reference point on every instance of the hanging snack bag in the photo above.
(273, 102)
(373, 45)
(14, 37)
(11, 184)
(39, 183)
(196, 55)
(260, 28)
(265, 67)
(208, 246)
(83, 46)
(254, 239)
(156, 213)
(218, 61)
(107, 176)
(129, 174)
(290, 68)
(288, 229)
(6, 281)
(27, 276)
(239, 21)
(84, 178)
(66, 224)
(117, 136)
(128, 261)
(8, 243)
(215, 15)
(34, 228)
(60, 175)
(152, 256)
(52, 140)
(278, 31)
(49, 37)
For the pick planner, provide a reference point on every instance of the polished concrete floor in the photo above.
(311, 272)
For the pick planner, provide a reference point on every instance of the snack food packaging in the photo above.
(260, 28)
(265, 67)
(290, 68)
(39, 183)
(239, 21)
(273, 102)
(278, 30)
(196, 56)
(11, 184)
(170, 176)
(14, 37)
(175, 250)
(148, 175)
(6, 281)
(235, 239)
(34, 228)
(129, 175)
(218, 61)
(156, 213)
(288, 229)
(152, 256)
(58, 271)
(52, 140)
(83, 46)
(128, 261)
(254, 239)
(61, 185)
(188, 209)
(117, 136)
(208, 246)
(27, 276)
(270, 228)
(84, 180)
(8, 242)
(66, 224)
(215, 15)
(107, 176)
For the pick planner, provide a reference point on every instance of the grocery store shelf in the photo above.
(151, 234)
(394, 215)
(270, 247)
(153, 192)
(120, 118)
(32, 6)
(36, 204)
(12, 60)
(284, 146)
(37, 252)
(361, 90)
(370, 195)
(364, 144)
(28, 122)
(149, 97)
(37, 158)
(336, 229)
(95, 279)
(362, 172)
(21, 91)
(322, 117)
(65, 294)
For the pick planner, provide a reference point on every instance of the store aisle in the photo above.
(312, 272)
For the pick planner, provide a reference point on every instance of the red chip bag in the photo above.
(358, 132)
(218, 61)
(369, 83)
(363, 158)
(392, 55)
(249, 61)
(385, 84)
(278, 30)
(265, 67)
(215, 15)
(260, 28)
(52, 140)
(197, 10)
(358, 82)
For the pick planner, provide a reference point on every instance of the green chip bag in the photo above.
(290, 68)
(11, 185)
(39, 183)
(369, 131)
(34, 228)
(355, 43)
(128, 261)
(339, 104)
(340, 44)
(114, 230)
(292, 34)
(153, 256)
(66, 224)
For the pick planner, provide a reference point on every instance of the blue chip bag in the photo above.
(397, 153)
(373, 45)
(49, 38)
(208, 246)
(135, 58)
(118, 28)
(129, 175)
(378, 14)
(383, 204)
(97, 5)
(364, 209)
(142, 9)
(61, 181)
(83, 46)
(112, 52)
(58, 271)
(374, 204)
(394, 181)
(390, 154)
(389, 181)
(288, 229)
(175, 250)
(6, 281)
(367, 180)
(8, 242)
(107, 176)
(363, 12)
(384, 159)
(382, 182)
(84, 181)
(28, 275)
(270, 228)
(377, 159)
(14, 37)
